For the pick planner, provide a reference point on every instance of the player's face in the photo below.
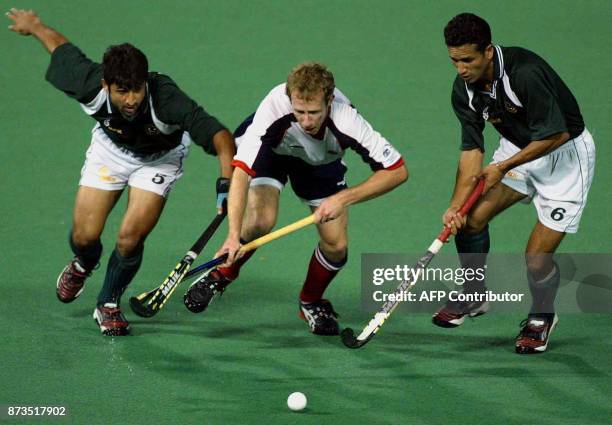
(310, 113)
(472, 65)
(125, 100)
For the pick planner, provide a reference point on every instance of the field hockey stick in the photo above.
(148, 304)
(348, 335)
(257, 243)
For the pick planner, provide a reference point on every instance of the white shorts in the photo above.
(109, 167)
(558, 182)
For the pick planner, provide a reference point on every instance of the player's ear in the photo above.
(105, 86)
(489, 52)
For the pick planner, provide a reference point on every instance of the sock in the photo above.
(473, 250)
(543, 293)
(88, 256)
(321, 271)
(119, 274)
(233, 271)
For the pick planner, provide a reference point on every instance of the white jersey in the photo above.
(275, 128)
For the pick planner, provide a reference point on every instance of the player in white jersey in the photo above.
(300, 133)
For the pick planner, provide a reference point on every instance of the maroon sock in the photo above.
(321, 271)
(233, 271)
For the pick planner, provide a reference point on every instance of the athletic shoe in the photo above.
(320, 316)
(535, 333)
(111, 320)
(201, 293)
(70, 282)
(453, 313)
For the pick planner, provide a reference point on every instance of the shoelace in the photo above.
(322, 310)
(113, 313)
(530, 330)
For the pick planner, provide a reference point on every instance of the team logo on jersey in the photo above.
(510, 107)
(492, 118)
(114, 130)
(151, 130)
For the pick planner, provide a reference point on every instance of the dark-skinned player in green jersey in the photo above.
(144, 126)
(545, 155)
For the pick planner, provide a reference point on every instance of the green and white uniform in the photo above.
(146, 152)
(528, 102)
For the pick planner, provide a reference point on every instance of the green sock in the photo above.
(473, 250)
(544, 292)
(119, 274)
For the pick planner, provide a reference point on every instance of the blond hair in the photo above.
(310, 78)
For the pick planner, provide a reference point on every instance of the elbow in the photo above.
(401, 175)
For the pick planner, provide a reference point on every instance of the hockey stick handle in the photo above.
(464, 210)
(290, 228)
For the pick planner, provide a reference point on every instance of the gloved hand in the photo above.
(223, 185)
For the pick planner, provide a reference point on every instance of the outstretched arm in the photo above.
(382, 181)
(27, 22)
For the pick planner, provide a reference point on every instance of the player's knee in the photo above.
(259, 226)
(335, 250)
(474, 225)
(83, 239)
(539, 264)
(129, 243)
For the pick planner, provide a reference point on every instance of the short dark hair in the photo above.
(125, 65)
(467, 28)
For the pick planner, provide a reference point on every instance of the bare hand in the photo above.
(452, 219)
(231, 247)
(492, 174)
(25, 22)
(330, 209)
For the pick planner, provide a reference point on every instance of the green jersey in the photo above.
(528, 101)
(162, 118)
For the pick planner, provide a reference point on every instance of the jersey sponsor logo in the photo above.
(387, 151)
(151, 130)
(104, 174)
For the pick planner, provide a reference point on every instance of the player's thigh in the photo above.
(91, 209)
(261, 211)
(333, 235)
(143, 211)
(496, 200)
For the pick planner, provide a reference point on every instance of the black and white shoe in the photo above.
(201, 292)
(535, 333)
(320, 316)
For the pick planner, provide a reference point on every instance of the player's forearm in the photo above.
(237, 200)
(382, 181)
(470, 165)
(226, 149)
(49, 38)
(533, 150)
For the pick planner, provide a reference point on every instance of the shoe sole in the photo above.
(57, 284)
(541, 349)
(458, 322)
(111, 331)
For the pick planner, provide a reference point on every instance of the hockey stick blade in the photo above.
(348, 335)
